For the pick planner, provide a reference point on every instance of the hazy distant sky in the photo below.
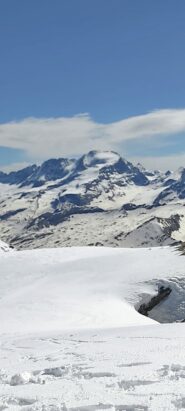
(83, 74)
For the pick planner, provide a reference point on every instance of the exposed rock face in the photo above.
(162, 294)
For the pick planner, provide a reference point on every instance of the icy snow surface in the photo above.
(71, 339)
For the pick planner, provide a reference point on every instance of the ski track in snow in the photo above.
(122, 369)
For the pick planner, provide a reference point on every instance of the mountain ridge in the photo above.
(53, 169)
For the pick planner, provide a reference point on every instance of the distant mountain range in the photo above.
(98, 199)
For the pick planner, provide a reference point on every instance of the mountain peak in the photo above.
(101, 158)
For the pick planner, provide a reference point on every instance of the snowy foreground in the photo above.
(71, 339)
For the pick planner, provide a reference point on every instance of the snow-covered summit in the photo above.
(100, 158)
(57, 169)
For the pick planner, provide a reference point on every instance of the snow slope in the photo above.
(58, 289)
(71, 339)
(75, 288)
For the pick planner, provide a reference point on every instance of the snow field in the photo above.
(71, 339)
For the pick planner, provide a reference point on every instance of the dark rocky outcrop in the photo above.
(162, 294)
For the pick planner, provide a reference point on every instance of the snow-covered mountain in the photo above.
(98, 199)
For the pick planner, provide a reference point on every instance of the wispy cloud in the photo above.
(15, 166)
(158, 122)
(67, 136)
(163, 163)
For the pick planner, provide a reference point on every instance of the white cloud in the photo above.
(43, 138)
(162, 163)
(159, 122)
(67, 136)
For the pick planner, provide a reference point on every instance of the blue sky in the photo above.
(112, 59)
